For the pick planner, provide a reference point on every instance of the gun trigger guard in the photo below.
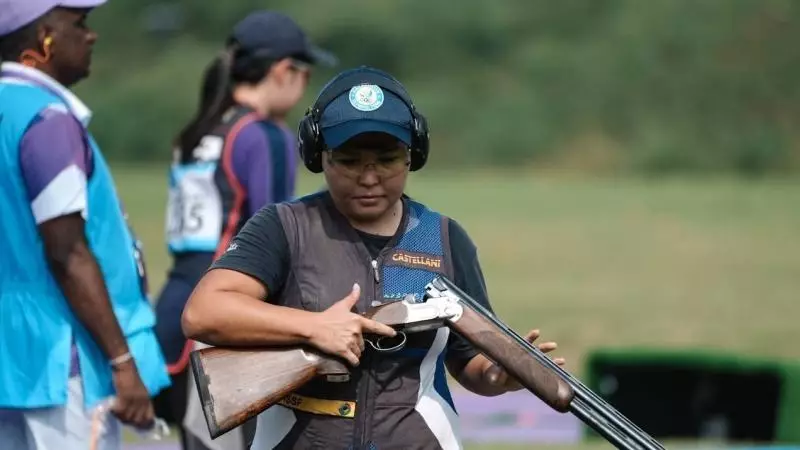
(378, 345)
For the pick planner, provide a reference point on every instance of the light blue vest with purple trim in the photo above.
(37, 325)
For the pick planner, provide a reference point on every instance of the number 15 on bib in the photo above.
(194, 209)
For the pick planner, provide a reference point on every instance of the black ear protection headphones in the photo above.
(309, 137)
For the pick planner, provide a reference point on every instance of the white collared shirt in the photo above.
(52, 171)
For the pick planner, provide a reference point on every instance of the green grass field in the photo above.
(711, 263)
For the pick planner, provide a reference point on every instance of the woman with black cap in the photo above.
(230, 160)
(288, 278)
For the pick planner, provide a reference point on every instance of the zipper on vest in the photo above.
(362, 427)
(363, 434)
(376, 273)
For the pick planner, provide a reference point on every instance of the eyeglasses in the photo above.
(386, 164)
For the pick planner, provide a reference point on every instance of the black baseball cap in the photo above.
(274, 35)
(365, 108)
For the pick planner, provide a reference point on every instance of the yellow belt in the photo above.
(338, 408)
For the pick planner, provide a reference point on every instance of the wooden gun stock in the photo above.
(514, 358)
(237, 384)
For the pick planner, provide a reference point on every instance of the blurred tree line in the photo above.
(651, 86)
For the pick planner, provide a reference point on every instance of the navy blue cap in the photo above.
(365, 108)
(271, 34)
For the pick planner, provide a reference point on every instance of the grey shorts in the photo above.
(68, 427)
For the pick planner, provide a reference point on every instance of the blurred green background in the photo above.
(627, 168)
(609, 86)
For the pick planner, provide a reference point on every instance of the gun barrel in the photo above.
(586, 405)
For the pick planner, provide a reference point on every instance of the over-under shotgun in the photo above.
(236, 384)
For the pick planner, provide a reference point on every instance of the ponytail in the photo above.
(216, 97)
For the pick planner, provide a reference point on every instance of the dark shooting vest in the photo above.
(392, 401)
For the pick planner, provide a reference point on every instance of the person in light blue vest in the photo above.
(76, 325)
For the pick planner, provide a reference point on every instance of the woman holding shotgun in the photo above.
(231, 159)
(296, 271)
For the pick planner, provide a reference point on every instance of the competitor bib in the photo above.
(194, 208)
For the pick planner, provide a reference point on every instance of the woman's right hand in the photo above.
(338, 331)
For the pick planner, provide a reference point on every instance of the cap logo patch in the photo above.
(366, 97)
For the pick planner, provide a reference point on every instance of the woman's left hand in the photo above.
(497, 376)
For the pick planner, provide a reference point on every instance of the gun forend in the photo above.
(497, 342)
